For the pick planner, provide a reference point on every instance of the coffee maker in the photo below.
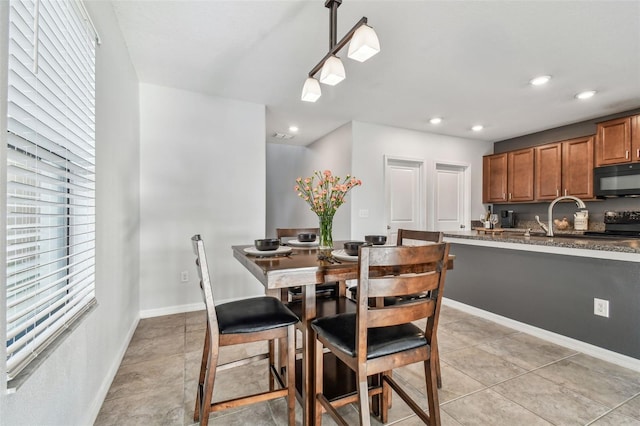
(507, 219)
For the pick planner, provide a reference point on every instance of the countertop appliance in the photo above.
(620, 180)
(625, 224)
(507, 219)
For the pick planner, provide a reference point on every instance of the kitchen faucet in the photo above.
(549, 227)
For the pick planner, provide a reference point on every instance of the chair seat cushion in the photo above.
(253, 315)
(340, 331)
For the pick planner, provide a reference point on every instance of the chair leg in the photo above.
(432, 392)
(207, 394)
(363, 398)
(202, 376)
(319, 386)
(291, 379)
(385, 402)
(272, 360)
(435, 357)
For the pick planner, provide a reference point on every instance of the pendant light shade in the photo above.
(311, 90)
(364, 44)
(332, 71)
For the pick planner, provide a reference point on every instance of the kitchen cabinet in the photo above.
(494, 178)
(618, 141)
(577, 167)
(508, 176)
(548, 175)
(520, 174)
(564, 168)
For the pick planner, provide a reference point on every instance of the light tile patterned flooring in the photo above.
(492, 375)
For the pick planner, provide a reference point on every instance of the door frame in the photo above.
(422, 198)
(466, 202)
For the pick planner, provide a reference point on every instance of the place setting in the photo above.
(267, 247)
(349, 253)
(304, 240)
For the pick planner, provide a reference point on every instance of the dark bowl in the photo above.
(351, 247)
(306, 238)
(376, 240)
(267, 244)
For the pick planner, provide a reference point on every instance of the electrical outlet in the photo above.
(184, 276)
(601, 307)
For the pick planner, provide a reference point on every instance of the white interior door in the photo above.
(451, 204)
(404, 200)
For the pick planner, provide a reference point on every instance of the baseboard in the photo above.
(170, 310)
(111, 374)
(577, 345)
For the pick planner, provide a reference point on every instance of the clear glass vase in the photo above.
(325, 239)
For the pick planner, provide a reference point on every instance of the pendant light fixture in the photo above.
(364, 44)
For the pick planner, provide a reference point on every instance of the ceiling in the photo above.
(468, 62)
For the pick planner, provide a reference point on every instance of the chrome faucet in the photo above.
(578, 201)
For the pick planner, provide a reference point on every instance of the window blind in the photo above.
(50, 174)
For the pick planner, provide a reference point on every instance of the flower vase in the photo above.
(325, 239)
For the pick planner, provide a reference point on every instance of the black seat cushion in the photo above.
(340, 331)
(252, 315)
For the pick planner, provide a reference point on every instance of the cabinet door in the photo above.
(577, 167)
(520, 175)
(494, 178)
(613, 145)
(635, 138)
(548, 176)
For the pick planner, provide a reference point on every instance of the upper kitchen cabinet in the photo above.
(618, 141)
(577, 167)
(494, 178)
(564, 168)
(548, 176)
(520, 174)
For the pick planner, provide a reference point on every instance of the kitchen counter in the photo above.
(563, 244)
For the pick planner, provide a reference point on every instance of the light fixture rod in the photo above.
(333, 21)
(338, 46)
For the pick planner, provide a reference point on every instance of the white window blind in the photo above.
(50, 174)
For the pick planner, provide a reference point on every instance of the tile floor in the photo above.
(492, 375)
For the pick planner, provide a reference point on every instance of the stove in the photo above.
(619, 224)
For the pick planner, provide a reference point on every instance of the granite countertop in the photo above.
(566, 240)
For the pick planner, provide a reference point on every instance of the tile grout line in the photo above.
(612, 409)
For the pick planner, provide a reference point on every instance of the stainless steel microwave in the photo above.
(620, 180)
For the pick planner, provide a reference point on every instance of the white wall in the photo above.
(202, 170)
(68, 387)
(285, 163)
(371, 142)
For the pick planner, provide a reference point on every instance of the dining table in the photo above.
(303, 267)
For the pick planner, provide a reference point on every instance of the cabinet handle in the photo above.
(638, 153)
(509, 195)
(565, 191)
(504, 196)
(557, 192)
(626, 154)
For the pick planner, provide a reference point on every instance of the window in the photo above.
(50, 174)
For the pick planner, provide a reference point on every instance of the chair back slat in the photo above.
(205, 284)
(401, 314)
(390, 256)
(410, 237)
(293, 232)
(403, 285)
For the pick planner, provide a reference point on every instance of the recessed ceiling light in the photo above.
(293, 128)
(540, 80)
(477, 127)
(586, 94)
(435, 120)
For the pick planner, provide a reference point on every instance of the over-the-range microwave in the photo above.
(619, 180)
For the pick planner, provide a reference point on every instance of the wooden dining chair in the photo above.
(322, 290)
(378, 338)
(239, 322)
